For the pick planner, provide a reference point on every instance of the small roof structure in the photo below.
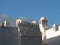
(43, 18)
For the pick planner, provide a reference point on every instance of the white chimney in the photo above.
(6, 23)
(34, 22)
(18, 21)
(55, 27)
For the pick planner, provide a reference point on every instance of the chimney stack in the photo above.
(5, 24)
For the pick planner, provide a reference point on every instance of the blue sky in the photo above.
(32, 9)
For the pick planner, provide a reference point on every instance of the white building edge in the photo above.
(48, 33)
